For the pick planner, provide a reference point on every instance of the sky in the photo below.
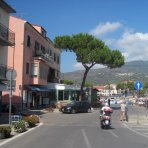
(121, 24)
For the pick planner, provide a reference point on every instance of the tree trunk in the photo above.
(83, 83)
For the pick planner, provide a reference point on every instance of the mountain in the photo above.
(134, 71)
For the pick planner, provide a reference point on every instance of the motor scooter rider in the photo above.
(105, 111)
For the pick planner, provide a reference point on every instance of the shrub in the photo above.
(19, 126)
(6, 130)
(32, 120)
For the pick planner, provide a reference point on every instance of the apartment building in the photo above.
(36, 61)
(7, 39)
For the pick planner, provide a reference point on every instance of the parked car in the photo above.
(76, 107)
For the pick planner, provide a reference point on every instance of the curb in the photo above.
(20, 134)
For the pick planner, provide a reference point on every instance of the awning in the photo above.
(38, 88)
(43, 88)
(33, 88)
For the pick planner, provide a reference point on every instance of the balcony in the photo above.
(40, 55)
(7, 37)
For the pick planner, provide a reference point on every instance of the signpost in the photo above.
(138, 85)
(10, 75)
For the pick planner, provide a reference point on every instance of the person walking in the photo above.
(123, 113)
(108, 102)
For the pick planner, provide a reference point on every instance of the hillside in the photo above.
(135, 71)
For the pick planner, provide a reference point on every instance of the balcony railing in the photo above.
(7, 37)
(44, 56)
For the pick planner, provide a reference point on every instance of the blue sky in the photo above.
(121, 24)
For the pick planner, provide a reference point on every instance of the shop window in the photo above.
(60, 96)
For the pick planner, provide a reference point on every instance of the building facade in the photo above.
(36, 61)
(107, 90)
(7, 38)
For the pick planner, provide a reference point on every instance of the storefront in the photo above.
(63, 92)
(3, 87)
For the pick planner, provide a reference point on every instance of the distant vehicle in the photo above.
(76, 107)
(141, 102)
(115, 103)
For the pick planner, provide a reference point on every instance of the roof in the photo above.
(98, 87)
(6, 7)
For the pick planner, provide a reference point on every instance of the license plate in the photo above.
(106, 122)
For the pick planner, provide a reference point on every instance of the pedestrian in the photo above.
(109, 102)
(123, 113)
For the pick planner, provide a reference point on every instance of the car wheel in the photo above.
(89, 110)
(73, 111)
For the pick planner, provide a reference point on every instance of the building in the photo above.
(7, 38)
(107, 90)
(36, 61)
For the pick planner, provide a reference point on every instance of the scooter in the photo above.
(105, 121)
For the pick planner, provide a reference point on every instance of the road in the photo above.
(80, 131)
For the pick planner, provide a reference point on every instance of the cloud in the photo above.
(134, 45)
(79, 66)
(105, 28)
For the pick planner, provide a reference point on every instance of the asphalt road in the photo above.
(79, 131)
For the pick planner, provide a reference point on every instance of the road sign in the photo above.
(11, 74)
(138, 85)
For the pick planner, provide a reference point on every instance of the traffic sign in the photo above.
(138, 85)
(11, 74)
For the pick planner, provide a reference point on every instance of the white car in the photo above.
(115, 103)
(141, 102)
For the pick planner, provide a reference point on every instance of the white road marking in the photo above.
(140, 129)
(146, 133)
(140, 126)
(86, 139)
(146, 136)
(111, 132)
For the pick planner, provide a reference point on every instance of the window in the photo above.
(54, 56)
(28, 41)
(43, 73)
(27, 68)
(50, 53)
(66, 95)
(58, 59)
(43, 49)
(37, 48)
(34, 72)
(60, 95)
